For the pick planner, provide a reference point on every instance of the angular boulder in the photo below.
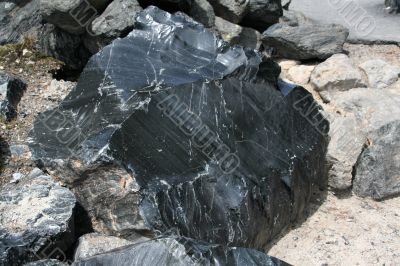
(116, 20)
(235, 34)
(75, 16)
(262, 13)
(181, 252)
(219, 149)
(36, 219)
(232, 11)
(93, 244)
(380, 74)
(337, 73)
(203, 12)
(305, 41)
(378, 167)
(11, 91)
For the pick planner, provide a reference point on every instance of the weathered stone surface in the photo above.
(111, 198)
(11, 92)
(47, 262)
(300, 74)
(235, 34)
(116, 20)
(181, 252)
(338, 73)
(36, 219)
(94, 244)
(63, 46)
(362, 112)
(262, 13)
(239, 182)
(232, 11)
(294, 18)
(378, 167)
(19, 19)
(379, 73)
(72, 16)
(306, 41)
(203, 12)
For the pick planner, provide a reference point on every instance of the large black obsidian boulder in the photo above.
(221, 151)
(180, 251)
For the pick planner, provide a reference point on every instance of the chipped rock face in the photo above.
(379, 73)
(94, 244)
(180, 251)
(11, 92)
(37, 219)
(220, 151)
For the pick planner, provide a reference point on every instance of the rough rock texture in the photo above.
(180, 252)
(379, 73)
(232, 11)
(111, 198)
(72, 16)
(11, 92)
(235, 34)
(363, 113)
(19, 19)
(393, 6)
(306, 41)
(37, 219)
(116, 20)
(262, 13)
(203, 12)
(219, 150)
(47, 262)
(378, 167)
(338, 73)
(94, 244)
(294, 18)
(300, 74)
(63, 46)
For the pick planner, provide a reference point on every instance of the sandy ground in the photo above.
(344, 230)
(347, 230)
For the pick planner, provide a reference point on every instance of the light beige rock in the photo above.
(337, 73)
(380, 74)
(300, 74)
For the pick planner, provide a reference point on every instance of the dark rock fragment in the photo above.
(220, 151)
(11, 91)
(262, 13)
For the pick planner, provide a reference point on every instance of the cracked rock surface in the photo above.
(221, 151)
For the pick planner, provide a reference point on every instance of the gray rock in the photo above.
(300, 74)
(231, 10)
(203, 12)
(47, 262)
(294, 18)
(393, 6)
(379, 73)
(111, 198)
(63, 46)
(19, 19)
(378, 167)
(11, 91)
(94, 244)
(337, 73)
(180, 252)
(73, 16)
(235, 34)
(358, 115)
(306, 41)
(286, 4)
(118, 19)
(36, 220)
(262, 13)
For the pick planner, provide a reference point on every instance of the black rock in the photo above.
(11, 91)
(305, 41)
(182, 252)
(203, 12)
(262, 13)
(393, 6)
(221, 151)
(36, 220)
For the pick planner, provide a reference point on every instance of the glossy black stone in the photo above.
(221, 150)
(11, 91)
